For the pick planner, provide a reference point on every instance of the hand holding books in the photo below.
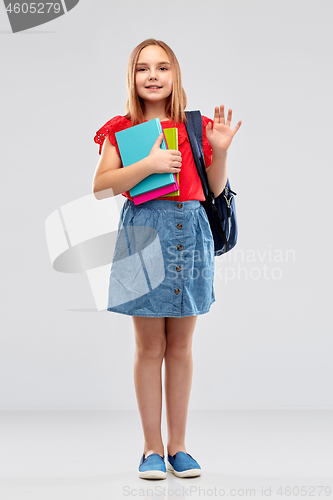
(164, 161)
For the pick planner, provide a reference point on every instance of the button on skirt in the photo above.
(163, 262)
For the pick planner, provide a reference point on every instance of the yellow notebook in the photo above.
(171, 137)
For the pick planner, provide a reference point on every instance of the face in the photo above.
(153, 74)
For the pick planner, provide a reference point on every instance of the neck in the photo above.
(155, 110)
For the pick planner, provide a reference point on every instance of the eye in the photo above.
(164, 68)
(141, 69)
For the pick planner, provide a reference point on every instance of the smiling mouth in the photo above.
(153, 87)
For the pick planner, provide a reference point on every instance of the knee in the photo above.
(179, 349)
(151, 350)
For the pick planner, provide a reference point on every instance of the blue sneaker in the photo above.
(152, 467)
(183, 465)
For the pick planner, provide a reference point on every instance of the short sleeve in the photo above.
(109, 129)
(207, 148)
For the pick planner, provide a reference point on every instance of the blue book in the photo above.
(134, 144)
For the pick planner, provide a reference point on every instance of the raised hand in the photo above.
(220, 135)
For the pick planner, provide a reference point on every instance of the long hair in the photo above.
(176, 101)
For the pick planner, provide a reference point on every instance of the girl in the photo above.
(162, 272)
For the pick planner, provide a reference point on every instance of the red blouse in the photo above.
(189, 180)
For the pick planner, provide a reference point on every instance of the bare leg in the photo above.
(150, 342)
(178, 378)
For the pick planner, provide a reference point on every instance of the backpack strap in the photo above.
(194, 132)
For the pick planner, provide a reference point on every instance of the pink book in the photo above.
(155, 193)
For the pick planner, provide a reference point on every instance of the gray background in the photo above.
(266, 343)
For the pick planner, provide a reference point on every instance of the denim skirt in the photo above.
(163, 262)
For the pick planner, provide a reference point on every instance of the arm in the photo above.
(110, 179)
(219, 136)
(217, 172)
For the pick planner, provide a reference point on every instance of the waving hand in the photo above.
(220, 135)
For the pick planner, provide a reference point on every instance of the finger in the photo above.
(228, 123)
(237, 127)
(176, 161)
(175, 152)
(222, 113)
(216, 115)
(159, 139)
(176, 157)
(176, 164)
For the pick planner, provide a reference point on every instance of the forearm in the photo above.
(116, 181)
(217, 172)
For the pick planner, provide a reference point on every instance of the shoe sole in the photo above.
(184, 473)
(152, 474)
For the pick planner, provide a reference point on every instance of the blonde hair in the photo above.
(176, 102)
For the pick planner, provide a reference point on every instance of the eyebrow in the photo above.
(146, 64)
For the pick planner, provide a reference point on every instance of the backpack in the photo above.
(221, 211)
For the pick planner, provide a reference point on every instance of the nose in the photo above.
(153, 75)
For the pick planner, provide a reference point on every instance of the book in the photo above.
(155, 193)
(171, 137)
(134, 144)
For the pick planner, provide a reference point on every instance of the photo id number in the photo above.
(34, 8)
